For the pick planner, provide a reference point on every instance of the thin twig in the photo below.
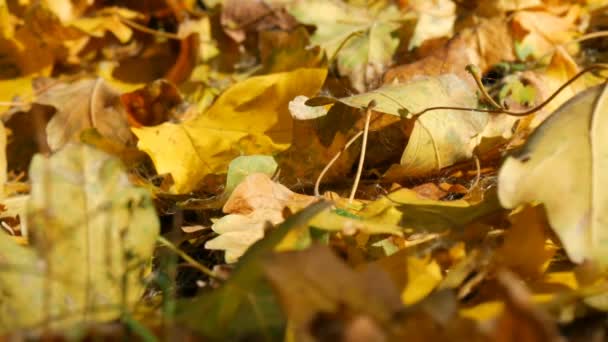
(11, 104)
(187, 258)
(333, 160)
(593, 67)
(145, 29)
(474, 71)
(478, 176)
(368, 115)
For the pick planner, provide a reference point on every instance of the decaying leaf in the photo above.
(571, 142)
(485, 44)
(314, 283)
(81, 105)
(439, 138)
(435, 20)
(251, 117)
(524, 250)
(92, 242)
(245, 305)
(362, 38)
(254, 204)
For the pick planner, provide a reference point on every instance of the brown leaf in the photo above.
(522, 321)
(484, 45)
(240, 17)
(153, 104)
(81, 105)
(254, 204)
(317, 291)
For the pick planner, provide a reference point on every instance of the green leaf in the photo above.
(243, 166)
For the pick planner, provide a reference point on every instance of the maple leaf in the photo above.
(362, 38)
(251, 117)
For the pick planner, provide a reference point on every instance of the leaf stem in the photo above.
(333, 160)
(145, 29)
(368, 115)
(187, 258)
(593, 67)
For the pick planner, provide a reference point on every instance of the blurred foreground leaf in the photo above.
(564, 166)
(92, 239)
(244, 305)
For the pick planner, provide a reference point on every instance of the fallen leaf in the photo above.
(432, 144)
(403, 211)
(251, 117)
(315, 282)
(523, 250)
(288, 50)
(540, 32)
(239, 18)
(435, 20)
(571, 141)
(254, 204)
(153, 104)
(362, 38)
(81, 105)
(521, 320)
(423, 275)
(561, 68)
(316, 141)
(245, 304)
(78, 252)
(483, 45)
(107, 20)
(241, 167)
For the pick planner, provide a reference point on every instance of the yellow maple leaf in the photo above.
(251, 117)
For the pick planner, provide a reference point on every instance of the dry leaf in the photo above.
(254, 204)
(362, 38)
(435, 20)
(251, 117)
(439, 138)
(524, 249)
(315, 282)
(483, 45)
(572, 141)
(78, 252)
(81, 105)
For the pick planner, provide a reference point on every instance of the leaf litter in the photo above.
(303, 170)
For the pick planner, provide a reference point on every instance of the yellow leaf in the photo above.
(541, 31)
(563, 165)
(484, 311)
(423, 276)
(524, 249)
(561, 68)
(251, 117)
(108, 19)
(435, 20)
